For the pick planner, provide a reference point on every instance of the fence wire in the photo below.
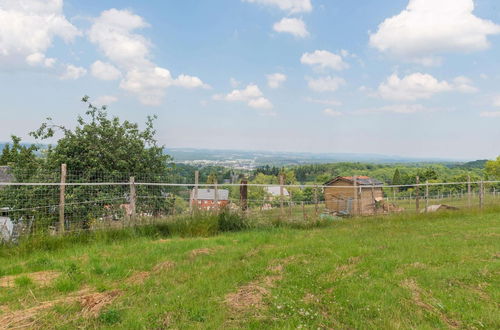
(32, 204)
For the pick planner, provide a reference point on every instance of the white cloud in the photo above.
(420, 86)
(464, 85)
(104, 71)
(39, 59)
(324, 102)
(190, 82)
(73, 72)
(275, 80)
(251, 95)
(325, 84)
(106, 100)
(291, 6)
(294, 26)
(148, 83)
(332, 113)
(114, 33)
(490, 114)
(429, 27)
(323, 59)
(260, 103)
(400, 109)
(28, 29)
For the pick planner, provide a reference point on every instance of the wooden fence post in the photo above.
(196, 182)
(469, 200)
(133, 198)
(282, 195)
(481, 194)
(216, 195)
(62, 198)
(304, 211)
(244, 195)
(426, 196)
(355, 205)
(316, 200)
(417, 194)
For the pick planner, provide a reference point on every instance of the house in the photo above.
(349, 195)
(207, 198)
(275, 191)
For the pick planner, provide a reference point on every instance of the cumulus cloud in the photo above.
(332, 113)
(190, 82)
(275, 80)
(294, 26)
(323, 59)
(73, 72)
(104, 71)
(325, 84)
(290, 6)
(114, 32)
(429, 27)
(251, 95)
(28, 29)
(420, 86)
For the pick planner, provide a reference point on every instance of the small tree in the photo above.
(492, 168)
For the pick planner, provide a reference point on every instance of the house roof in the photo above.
(5, 176)
(360, 181)
(276, 191)
(209, 194)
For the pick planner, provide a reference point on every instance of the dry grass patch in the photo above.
(44, 278)
(92, 304)
(137, 278)
(418, 294)
(250, 297)
(198, 252)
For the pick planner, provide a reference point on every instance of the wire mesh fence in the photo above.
(51, 202)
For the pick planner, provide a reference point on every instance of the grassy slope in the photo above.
(393, 272)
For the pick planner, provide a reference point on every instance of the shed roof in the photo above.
(209, 194)
(360, 181)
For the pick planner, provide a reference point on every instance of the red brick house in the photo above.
(207, 197)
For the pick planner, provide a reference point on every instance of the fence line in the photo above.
(64, 205)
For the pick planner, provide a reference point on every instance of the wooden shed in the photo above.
(347, 195)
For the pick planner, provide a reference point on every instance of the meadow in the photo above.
(439, 270)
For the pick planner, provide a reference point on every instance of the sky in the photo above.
(416, 78)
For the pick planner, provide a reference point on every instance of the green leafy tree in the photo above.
(99, 148)
(396, 178)
(492, 168)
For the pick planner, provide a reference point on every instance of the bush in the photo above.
(231, 221)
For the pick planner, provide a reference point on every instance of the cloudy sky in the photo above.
(402, 77)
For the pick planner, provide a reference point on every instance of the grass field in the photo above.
(393, 272)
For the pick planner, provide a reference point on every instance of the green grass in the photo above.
(431, 271)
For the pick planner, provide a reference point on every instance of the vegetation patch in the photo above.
(418, 299)
(43, 278)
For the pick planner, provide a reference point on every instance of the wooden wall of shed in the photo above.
(338, 194)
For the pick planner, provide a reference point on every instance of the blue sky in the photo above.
(414, 78)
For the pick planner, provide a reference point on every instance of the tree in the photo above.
(99, 144)
(396, 178)
(99, 148)
(493, 168)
